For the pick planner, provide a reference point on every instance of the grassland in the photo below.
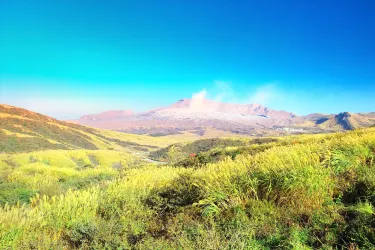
(298, 192)
(54, 172)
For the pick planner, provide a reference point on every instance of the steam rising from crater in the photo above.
(263, 95)
(197, 100)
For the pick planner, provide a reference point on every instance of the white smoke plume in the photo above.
(197, 100)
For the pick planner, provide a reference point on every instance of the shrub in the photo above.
(80, 233)
(12, 193)
(180, 193)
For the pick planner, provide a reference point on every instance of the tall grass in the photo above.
(56, 171)
(308, 192)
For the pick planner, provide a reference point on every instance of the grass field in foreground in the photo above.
(54, 172)
(317, 192)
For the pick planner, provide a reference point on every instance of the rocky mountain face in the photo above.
(188, 114)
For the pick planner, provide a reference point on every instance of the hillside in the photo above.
(54, 172)
(67, 186)
(175, 153)
(23, 131)
(295, 192)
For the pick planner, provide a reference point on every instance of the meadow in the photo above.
(54, 172)
(296, 192)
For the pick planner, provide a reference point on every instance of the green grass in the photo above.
(299, 192)
(54, 172)
(180, 151)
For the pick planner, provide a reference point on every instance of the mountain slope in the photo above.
(311, 192)
(23, 131)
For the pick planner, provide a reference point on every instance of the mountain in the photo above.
(202, 114)
(22, 130)
(189, 114)
(108, 115)
(341, 121)
(229, 108)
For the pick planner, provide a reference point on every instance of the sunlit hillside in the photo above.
(24, 131)
(54, 172)
(298, 192)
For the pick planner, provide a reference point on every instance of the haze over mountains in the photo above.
(201, 114)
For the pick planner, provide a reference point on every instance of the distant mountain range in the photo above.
(201, 114)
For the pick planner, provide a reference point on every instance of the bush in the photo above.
(80, 233)
(180, 193)
(12, 193)
(358, 229)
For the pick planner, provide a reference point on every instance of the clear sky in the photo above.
(67, 58)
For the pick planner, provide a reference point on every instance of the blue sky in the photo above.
(69, 58)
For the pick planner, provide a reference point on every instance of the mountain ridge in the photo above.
(201, 113)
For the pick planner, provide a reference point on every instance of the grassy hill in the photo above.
(25, 131)
(180, 151)
(200, 152)
(44, 156)
(297, 192)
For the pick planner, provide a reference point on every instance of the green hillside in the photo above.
(54, 172)
(299, 192)
(180, 151)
